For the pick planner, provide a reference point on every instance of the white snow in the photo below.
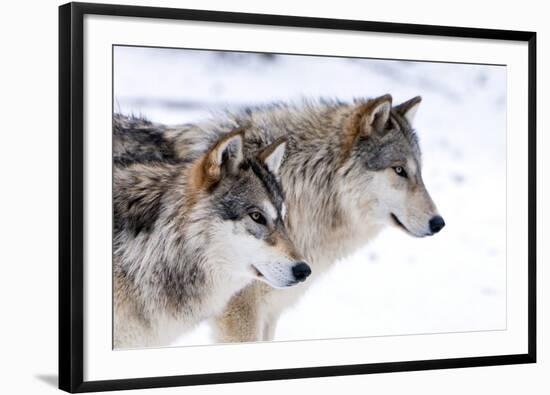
(455, 281)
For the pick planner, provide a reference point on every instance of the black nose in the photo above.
(436, 223)
(301, 271)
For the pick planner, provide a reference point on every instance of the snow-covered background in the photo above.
(396, 285)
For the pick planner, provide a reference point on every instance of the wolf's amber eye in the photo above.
(258, 217)
(400, 171)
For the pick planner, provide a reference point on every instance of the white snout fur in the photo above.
(277, 275)
(243, 255)
(413, 209)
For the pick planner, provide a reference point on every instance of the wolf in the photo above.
(350, 170)
(189, 234)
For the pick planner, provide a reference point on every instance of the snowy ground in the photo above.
(396, 285)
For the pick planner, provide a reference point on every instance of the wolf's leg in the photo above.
(252, 314)
(241, 321)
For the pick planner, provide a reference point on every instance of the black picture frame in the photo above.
(71, 173)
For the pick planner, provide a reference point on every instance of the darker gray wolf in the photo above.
(190, 234)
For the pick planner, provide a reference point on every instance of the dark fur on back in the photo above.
(136, 140)
(138, 195)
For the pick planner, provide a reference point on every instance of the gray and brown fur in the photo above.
(341, 185)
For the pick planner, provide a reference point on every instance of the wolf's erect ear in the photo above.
(227, 153)
(367, 119)
(408, 109)
(273, 155)
(378, 114)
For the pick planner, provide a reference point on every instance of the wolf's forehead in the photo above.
(239, 196)
(407, 136)
(268, 185)
(410, 148)
(396, 145)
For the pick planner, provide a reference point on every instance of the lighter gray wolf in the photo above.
(188, 235)
(349, 171)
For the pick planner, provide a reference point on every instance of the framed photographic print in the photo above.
(250, 197)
